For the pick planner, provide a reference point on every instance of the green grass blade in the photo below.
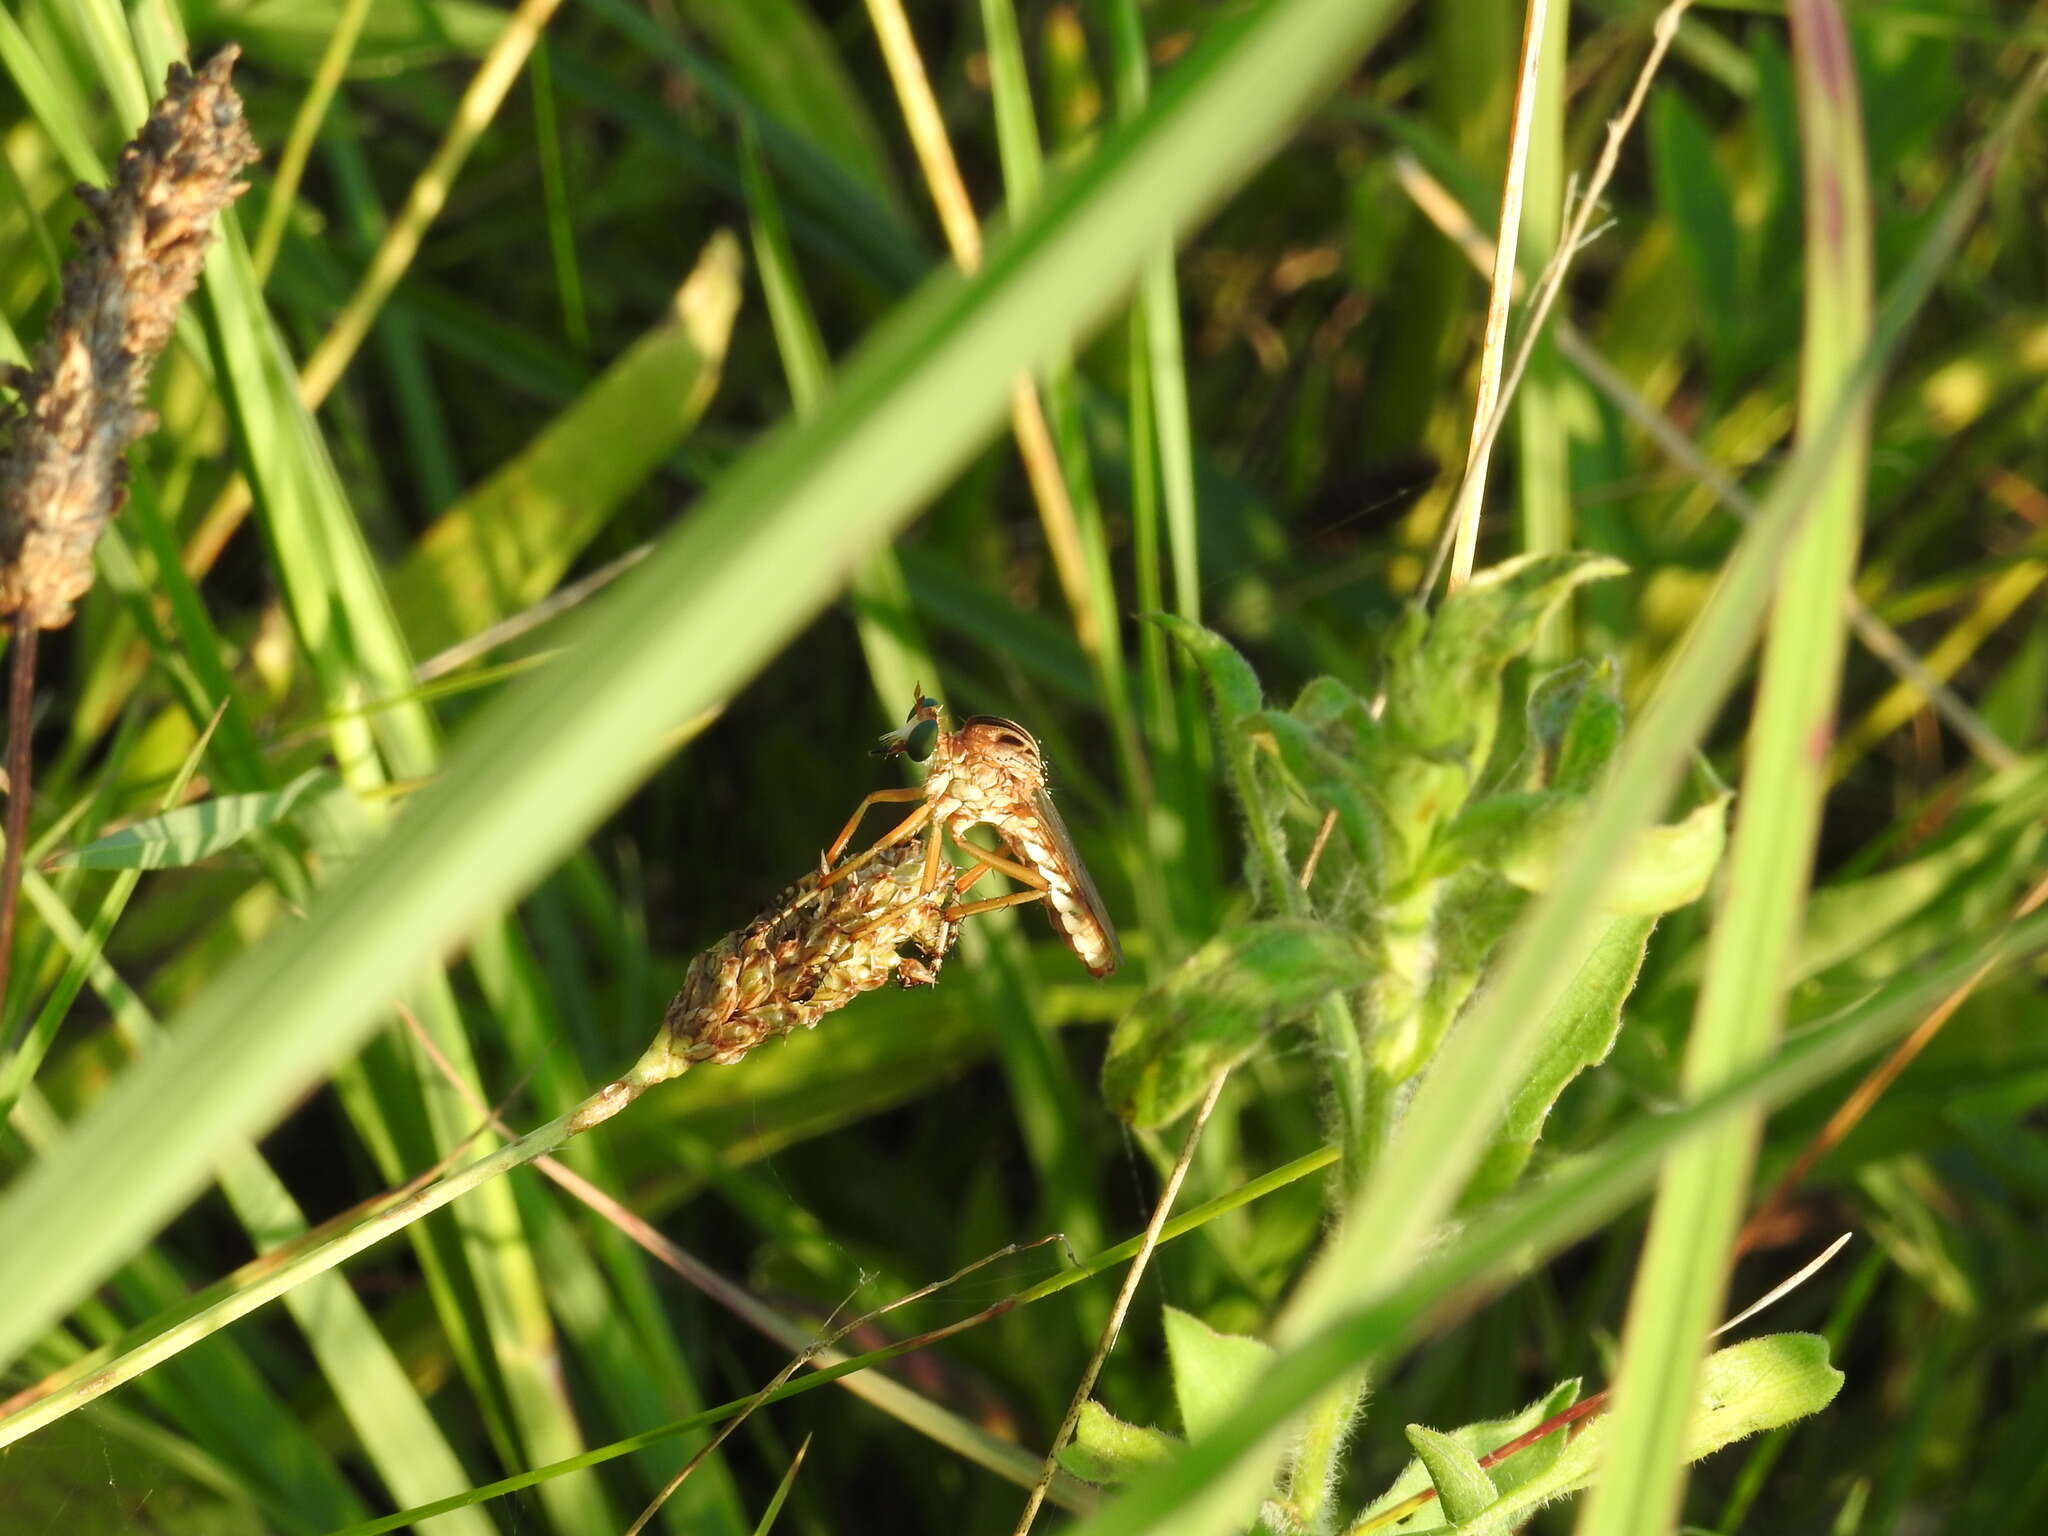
(1681, 1281)
(758, 556)
(1542, 434)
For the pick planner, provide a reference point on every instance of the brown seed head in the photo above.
(141, 245)
(808, 955)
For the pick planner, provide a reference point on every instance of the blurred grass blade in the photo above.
(1681, 1280)
(760, 555)
(193, 832)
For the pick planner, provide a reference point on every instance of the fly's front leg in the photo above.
(889, 839)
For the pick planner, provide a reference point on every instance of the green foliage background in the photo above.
(675, 235)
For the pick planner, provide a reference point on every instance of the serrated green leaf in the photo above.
(1106, 1449)
(1462, 1487)
(1215, 1008)
(192, 832)
(1211, 1370)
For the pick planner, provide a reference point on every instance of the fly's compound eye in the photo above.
(923, 738)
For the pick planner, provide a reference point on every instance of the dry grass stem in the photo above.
(1489, 420)
(62, 474)
(1465, 513)
(1126, 1294)
(941, 169)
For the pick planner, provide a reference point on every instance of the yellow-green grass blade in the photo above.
(1682, 1277)
(344, 619)
(508, 542)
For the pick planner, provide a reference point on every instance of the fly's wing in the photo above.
(1085, 925)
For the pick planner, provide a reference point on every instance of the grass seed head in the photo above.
(807, 955)
(142, 241)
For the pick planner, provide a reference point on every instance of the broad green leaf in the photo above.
(1742, 1391)
(1463, 1490)
(1211, 1371)
(506, 544)
(1105, 1449)
(1216, 1007)
(1578, 1033)
(193, 832)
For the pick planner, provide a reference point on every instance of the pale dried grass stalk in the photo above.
(62, 475)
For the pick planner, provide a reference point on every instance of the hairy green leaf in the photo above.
(1106, 1449)
(1211, 1370)
(1463, 1489)
(1578, 1033)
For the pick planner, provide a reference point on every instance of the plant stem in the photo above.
(20, 701)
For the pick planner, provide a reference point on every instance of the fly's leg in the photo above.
(984, 862)
(880, 797)
(896, 834)
(1021, 873)
(1014, 899)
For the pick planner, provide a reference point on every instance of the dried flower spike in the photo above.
(801, 960)
(61, 469)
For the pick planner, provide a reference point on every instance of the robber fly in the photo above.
(990, 772)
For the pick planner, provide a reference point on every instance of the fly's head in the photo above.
(918, 736)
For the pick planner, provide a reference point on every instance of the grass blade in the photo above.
(1682, 1278)
(759, 555)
